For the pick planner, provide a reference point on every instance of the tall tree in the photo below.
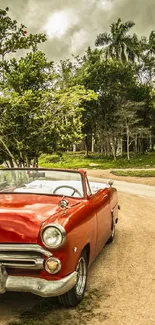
(33, 72)
(118, 43)
(14, 37)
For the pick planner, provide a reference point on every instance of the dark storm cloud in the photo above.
(87, 19)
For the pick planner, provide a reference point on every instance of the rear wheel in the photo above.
(76, 294)
(111, 238)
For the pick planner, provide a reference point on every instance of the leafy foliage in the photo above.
(13, 37)
(118, 44)
(103, 100)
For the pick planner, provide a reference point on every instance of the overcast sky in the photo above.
(72, 25)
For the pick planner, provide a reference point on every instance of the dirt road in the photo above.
(106, 174)
(130, 188)
(121, 285)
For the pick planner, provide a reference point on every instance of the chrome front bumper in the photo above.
(40, 287)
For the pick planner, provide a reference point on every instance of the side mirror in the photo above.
(111, 183)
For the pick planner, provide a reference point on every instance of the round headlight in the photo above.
(53, 236)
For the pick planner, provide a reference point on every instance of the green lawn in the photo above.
(134, 173)
(97, 161)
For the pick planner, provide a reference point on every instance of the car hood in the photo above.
(22, 215)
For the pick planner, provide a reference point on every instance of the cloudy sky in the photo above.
(72, 25)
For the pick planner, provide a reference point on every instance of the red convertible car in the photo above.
(53, 224)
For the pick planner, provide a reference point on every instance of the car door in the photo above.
(101, 203)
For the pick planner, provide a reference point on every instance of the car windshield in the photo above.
(41, 181)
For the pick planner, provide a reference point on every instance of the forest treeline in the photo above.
(103, 101)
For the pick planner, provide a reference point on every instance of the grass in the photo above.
(97, 161)
(134, 173)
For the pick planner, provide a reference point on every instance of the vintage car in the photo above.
(53, 224)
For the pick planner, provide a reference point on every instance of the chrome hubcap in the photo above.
(81, 277)
(113, 230)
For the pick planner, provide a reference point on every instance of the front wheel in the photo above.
(76, 294)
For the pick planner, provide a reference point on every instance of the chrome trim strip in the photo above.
(25, 248)
(22, 263)
(40, 287)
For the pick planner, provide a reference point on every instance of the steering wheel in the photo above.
(67, 186)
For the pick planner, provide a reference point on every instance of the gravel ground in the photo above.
(125, 272)
(121, 284)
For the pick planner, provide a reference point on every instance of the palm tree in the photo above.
(118, 43)
(151, 44)
(149, 57)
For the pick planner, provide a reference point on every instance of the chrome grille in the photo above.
(23, 256)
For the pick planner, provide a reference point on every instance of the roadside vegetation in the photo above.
(96, 161)
(134, 173)
(103, 101)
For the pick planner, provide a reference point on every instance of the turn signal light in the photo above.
(53, 265)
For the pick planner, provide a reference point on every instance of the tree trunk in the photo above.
(3, 67)
(150, 140)
(11, 164)
(11, 157)
(101, 146)
(6, 163)
(113, 143)
(119, 146)
(93, 143)
(136, 150)
(35, 162)
(86, 146)
(128, 142)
